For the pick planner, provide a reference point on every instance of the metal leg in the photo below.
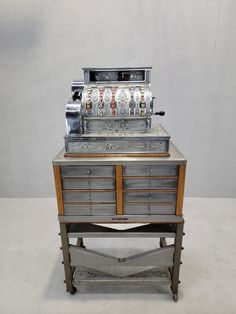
(163, 243)
(177, 257)
(66, 259)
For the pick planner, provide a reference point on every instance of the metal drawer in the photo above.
(88, 183)
(91, 210)
(148, 196)
(94, 171)
(152, 170)
(149, 209)
(90, 196)
(150, 183)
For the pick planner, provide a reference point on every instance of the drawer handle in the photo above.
(119, 218)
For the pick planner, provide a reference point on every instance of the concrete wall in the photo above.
(190, 44)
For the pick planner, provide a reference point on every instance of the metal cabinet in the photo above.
(116, 189)
(120, 190)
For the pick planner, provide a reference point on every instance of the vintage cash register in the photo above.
(110, 113)
(117, 167)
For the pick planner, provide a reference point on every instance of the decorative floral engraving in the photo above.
(84, 96)
(137, 95)
(95, 96)
(130, 147)
(117, 125)
(122, 98)
(113, 146)
(107, 96)
(87, 147)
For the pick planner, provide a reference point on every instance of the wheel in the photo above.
(175, 297)
(74, 290)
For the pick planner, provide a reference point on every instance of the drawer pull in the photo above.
(119, 218)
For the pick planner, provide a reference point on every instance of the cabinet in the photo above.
(120, 190)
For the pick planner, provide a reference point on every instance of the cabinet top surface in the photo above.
(175, 158)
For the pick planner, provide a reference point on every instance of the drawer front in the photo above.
(90, 171)
(152, 170)
(149, 197)
(91, 196)
(91, 210)
(88, 183)
(149, 209)
(150, 183)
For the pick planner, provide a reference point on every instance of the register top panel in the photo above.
(111, 75)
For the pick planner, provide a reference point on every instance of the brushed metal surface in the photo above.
(124, 144)
(104, 124)
(91, 196)
(89, 170)
(157, 257)
(150, 183)
(154, 141)
(149, 209)
(122, 219)
(91, 210)
(88, 183)
(149, 197)
(150, 170)
(175, 158)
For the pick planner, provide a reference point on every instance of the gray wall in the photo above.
(190, 44)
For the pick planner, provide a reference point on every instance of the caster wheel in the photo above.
(175, 297)
(74, 290)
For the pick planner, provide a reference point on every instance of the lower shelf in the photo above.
(84, 275)
(85, 230)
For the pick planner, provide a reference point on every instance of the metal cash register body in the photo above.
(110, 112)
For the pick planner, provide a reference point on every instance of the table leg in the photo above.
(66, 259)
(177, 257)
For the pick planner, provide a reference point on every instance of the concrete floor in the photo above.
(31, 274)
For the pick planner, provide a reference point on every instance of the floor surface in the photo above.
(31, 273)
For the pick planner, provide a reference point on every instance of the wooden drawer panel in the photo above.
(91, 171)
(152, 170)
(149, 196)
(91, 210)
(149, 209)
(89, 196)
(88, 183)
(150, 183)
